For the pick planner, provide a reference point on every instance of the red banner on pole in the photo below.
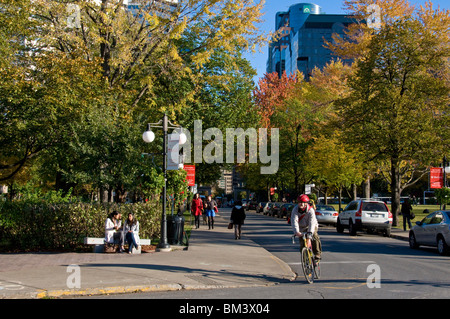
(436, 177)
(190, 169)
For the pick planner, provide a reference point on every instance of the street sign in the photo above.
(308, 188)
(436, 177)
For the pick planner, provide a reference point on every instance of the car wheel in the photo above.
(442, 246)
(339, 227)
(412, 241)
(387, 232)
(351, 228)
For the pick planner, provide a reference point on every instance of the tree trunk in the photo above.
(121, 194)
(395, 190)
(366, 188)
(355, 191)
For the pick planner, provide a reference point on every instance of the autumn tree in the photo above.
(272, 92)
(91, 74)
(370, 15)
(335, 165)
(397, 110)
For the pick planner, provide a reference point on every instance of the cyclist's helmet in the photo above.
(303, 199)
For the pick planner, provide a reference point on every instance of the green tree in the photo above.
(333, 164)
(84, 91)
(398, 107)
(223, 100)
(443, 195)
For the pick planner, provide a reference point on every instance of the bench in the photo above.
(99, 244)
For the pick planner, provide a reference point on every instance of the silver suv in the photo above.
(365, 214)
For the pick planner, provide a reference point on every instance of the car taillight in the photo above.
(318, 214)
(389, 212)
(359, 212)
(335, 214)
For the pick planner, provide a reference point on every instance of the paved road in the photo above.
(350, 266)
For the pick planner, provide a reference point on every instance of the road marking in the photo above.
(347, 288)
(339, 262)
(8, 285)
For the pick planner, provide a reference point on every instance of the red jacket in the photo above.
(197, 206)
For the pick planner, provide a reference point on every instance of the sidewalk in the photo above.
(214, 260)
(398, 233)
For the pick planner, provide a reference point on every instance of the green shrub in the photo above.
(28, 225)
(443, 195)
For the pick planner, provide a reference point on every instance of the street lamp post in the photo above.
(148, 137)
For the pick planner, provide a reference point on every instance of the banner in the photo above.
(436, 177)
(190, 170)
(174, 159)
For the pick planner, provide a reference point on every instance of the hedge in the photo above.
(28, 226)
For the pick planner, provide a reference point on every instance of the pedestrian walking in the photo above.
(210, 208)
(197, 209)
(406, 213)
(237, 219)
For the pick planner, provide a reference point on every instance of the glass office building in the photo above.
(300, 45)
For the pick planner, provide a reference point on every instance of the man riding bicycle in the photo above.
(303, 220)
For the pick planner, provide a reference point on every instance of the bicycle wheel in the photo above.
(307, 266)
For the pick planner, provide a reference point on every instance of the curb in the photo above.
(50, 294)
(399, 237)
(105, 291)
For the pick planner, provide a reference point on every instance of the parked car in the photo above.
(433, 230)
(261, 206)
(365, 214)
(286, 210)
(252, 205)
(326, 214)
(275, 209)
(267, 208)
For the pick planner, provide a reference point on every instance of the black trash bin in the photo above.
(175, 229)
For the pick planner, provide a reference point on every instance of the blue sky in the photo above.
(258, 60)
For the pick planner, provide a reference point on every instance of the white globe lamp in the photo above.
(148, 136)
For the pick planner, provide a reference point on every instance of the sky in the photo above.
(258, 60)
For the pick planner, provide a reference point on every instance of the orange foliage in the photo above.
(271, 93)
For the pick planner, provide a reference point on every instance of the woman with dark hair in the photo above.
(197, 209)
(113, 229)
(131, 230)
(211, 209)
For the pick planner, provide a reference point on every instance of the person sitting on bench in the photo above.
(113, 229)
(131, 230)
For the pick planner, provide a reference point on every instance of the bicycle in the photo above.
(310, 266)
